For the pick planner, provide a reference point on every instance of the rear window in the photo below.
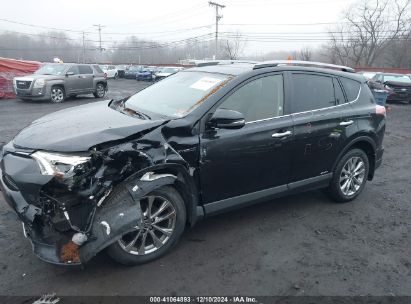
(351, 88)
(98, 69)
(311, 92)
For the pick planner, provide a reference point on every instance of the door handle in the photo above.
(346, 123)
(281, 135)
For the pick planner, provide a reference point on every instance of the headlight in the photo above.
(39, 83)
(57, 164)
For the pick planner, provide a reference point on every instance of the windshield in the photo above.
(397, 78)
(177, 95)
(103, 67)
(134, 68)
(51, 69)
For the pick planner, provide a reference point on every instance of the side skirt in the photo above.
(263, 195)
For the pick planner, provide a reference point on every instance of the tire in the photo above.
(57, 94)
(100, 91)
(174, 225)
(350, 176)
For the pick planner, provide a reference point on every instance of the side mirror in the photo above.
(227, 119)
(69, 73)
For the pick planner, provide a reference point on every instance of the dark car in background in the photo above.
(56, 81)
(398, 86)
(145, 74)
(130, 175)
(121, 69)
(132, 71)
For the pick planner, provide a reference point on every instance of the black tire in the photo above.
(57, 94)
(100, 90)
(119, 254)
(335, 189)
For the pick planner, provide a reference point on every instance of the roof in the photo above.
(237, 69)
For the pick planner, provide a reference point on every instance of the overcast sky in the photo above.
(268, 25)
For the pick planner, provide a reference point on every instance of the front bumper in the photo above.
(33, 93)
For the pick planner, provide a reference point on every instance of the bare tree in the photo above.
(305, 54)
(233, 46)
(368, 28)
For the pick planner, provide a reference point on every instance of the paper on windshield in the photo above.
(205, 83)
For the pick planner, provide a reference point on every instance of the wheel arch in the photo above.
(366, 144)
(184, 184)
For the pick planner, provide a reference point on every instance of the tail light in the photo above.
(380, 110)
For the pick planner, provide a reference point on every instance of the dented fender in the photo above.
(111, 222)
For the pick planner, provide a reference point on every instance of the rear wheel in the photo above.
(161, 227)
(350, 176)
(100, 91)
(57, 94)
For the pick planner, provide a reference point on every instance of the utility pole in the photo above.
(99, 26)
(217, 18)
(84, 50)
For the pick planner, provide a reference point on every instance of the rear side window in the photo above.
(351, 88)
(261, 98)
(311, 92)
(98, 69)
(85, 69)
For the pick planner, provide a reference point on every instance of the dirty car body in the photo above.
(216, 158)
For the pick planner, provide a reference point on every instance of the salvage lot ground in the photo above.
(297, 245)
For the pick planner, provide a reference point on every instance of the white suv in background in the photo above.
(110, 71)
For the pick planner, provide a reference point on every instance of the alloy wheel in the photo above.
(155, 228)
(352, 176)
(57, 95)
(100, 90)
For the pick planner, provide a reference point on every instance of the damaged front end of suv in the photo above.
(60, 198)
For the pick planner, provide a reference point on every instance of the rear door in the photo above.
(86, 73)
(255, 157)
(321, 118)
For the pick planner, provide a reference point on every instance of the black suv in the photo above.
(129, 175)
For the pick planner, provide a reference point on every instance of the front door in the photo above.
(256, 157)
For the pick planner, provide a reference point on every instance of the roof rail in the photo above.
(267, 64)
(224, 61)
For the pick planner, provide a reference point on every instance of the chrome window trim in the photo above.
(336, 106)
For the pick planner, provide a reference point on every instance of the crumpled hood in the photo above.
(80, 128)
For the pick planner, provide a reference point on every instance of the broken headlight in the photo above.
(58, 164)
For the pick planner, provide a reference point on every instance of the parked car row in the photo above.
(397, 87)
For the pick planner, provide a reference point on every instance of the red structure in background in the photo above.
(10, 68)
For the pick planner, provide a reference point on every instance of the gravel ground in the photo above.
(299, 245)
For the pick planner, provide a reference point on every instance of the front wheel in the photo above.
(162, 224)
(57, 94)
(350, 176)
(100, 91)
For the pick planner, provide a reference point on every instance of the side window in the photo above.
(351, 88)
(85, 69)
(339, 95)
(259, 99)
(98, 69)
(74, 69)
(311, 92)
